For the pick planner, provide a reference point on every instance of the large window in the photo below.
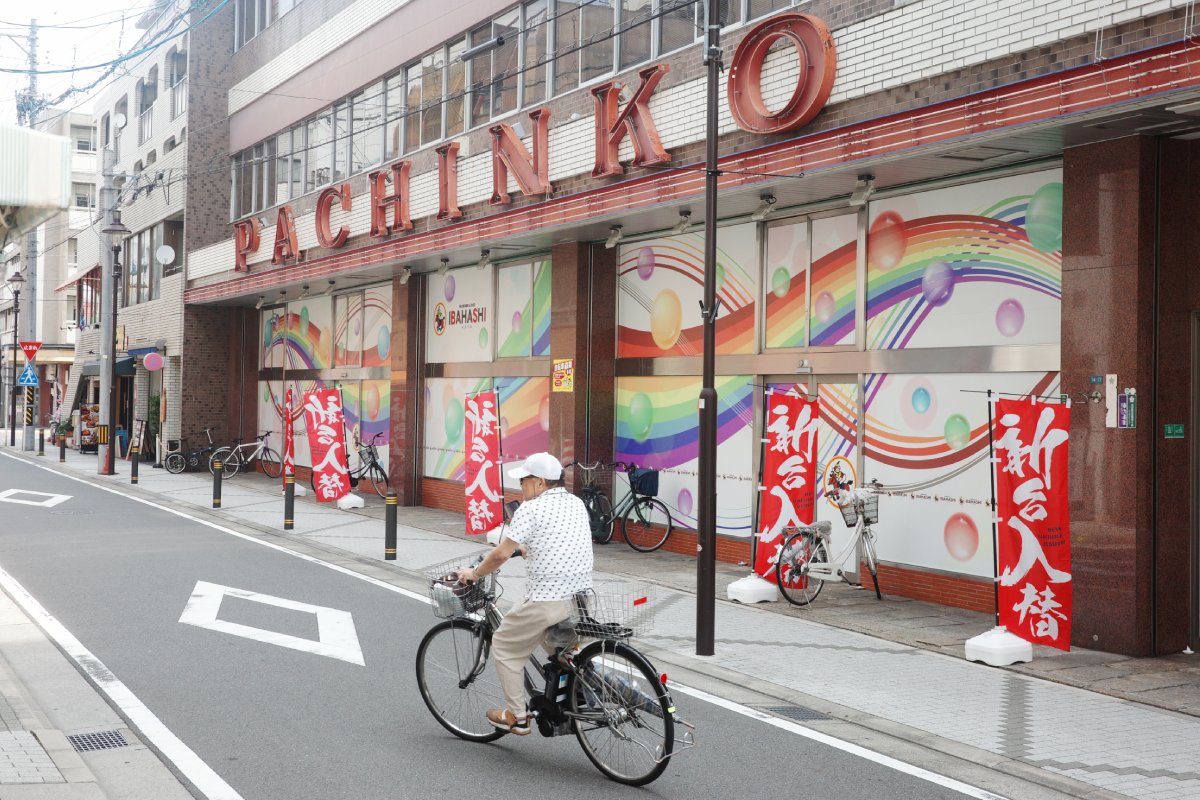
(254, 16)
(146, 263)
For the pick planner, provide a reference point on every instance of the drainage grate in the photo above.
(102, 740)
(796, 712)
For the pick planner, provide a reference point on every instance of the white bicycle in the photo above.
(237, 456)
(804, 564)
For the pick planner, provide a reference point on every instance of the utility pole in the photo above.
(108, 294)
(30, 109)
(706, 516)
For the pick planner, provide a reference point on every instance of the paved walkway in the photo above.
(1126, 727)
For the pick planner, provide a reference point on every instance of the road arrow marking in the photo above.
(47, 500)
(336, 637)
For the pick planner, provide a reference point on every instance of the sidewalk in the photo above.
(1086, 723)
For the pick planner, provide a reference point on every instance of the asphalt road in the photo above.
(277, 723)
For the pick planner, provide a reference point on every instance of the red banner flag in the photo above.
(788, 494)
(1033, 519)
(289, 439)
(327, 443)
(485, 493)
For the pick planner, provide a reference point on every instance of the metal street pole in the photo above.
(31, 109)
(15, 284)
(706, 558)
(108, 289)
(111, 459)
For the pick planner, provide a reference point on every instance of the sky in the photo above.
(71, 33)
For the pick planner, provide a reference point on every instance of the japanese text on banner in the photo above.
(1033, 521)
(788, 494)
(289, 439)
(327, 443)
(485, 496)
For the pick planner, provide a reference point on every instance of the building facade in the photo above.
(919, 203)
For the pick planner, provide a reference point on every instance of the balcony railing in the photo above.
(179, 97)
(146, 125)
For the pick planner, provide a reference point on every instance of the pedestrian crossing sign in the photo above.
(28, 377)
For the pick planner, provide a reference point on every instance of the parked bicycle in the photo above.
(234, 458)
(640, 504)
(607, 693)
(369, 467)
(804, 565)
(178, 461)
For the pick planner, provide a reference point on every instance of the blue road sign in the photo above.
(28, 377)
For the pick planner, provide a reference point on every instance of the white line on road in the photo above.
(47, 500)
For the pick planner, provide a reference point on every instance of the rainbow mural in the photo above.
(528, 324)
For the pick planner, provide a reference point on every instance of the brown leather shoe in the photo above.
(505, 720)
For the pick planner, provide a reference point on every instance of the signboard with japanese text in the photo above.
(1033, 521)
(31, 349)
(485, 498)
(789, 484)
(327, 443)
(459, 310)
(289, 439)
(564, 375)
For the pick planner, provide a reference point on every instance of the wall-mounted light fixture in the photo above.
(614, 236)
(444, 268)
(765, 206)
(405, 274)
(262, 300)
(485, 258)
(863, 189)
(685, 222)
(329, 291)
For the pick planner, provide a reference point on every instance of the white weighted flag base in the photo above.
(752, 589)
(351, 501)
(998, 648)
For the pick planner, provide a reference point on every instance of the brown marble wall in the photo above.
(404, 453)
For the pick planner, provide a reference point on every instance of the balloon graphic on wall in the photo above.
(304, 320)
(937, 283)
(645, 263)
(483, 338)
(371, 401)
(961, 536)
(666, 319)
(1043, 218)
(357, 325)
(640, 417)
(887, 241)
(824, 307)
(544, 413)
(781, 282)
(516, 321)
(957, 431)
(1010, 317)
(385, 341)
(448, 288)
(918, 403)
(454, 420)
(684, 502)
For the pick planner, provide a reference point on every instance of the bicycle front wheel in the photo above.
(621, 713)
(800, 551)
(378, 479)
(600, 515)
(271, 463)
(175, 463)
(454, 680)
(229, 462)
(652, 524)
(872, 562)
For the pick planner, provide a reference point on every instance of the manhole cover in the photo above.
(102, 740)
(796, 712)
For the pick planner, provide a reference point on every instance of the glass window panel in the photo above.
(481, 78)
(456, 83)
(256, 177)
(395, 116)
(597, 58)
(566, 36)
(760, 8)
(786, 283)
(172, 236)
(431, 96)
(155, 268)
(283, 166)
(143, 275)
(677, 27)
(319, 152)
(341, 142)
(635, 31)
(245, 178)
(368, 138)
(412, 118)
(833, 310)
(535, 52)
(298, 160)
(245, 21)
(269, 178)
(505, 63)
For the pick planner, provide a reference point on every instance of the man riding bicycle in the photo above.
(553, 531)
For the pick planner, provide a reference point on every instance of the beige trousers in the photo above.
(515, 640)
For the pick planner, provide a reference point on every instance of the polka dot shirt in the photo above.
(557, 535)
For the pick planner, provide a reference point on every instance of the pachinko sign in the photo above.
(327, 443)
(1034, 541)
(485, 497)
(789, 487)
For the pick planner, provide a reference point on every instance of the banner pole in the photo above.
(995, 530)
(758, 486)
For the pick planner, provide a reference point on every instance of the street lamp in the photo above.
(14, 284)
(116, 230)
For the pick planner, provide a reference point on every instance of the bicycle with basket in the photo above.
(639, 504)
(594, 685)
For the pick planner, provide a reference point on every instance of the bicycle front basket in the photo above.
(452, 599)
(644, 482)
(849, 515)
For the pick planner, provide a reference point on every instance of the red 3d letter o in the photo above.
(818, 60)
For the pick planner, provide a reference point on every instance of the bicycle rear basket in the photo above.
(613, 610)
(870, 510)
(644, 482)
(452, 599)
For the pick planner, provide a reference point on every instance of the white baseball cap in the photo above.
(539, 465)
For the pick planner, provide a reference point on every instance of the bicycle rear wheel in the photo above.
(271, 463)
(622, 714)
(654, 524)
(455, 683)
(600, 515)
(799, 552)
(872, 565)
(175, 463)
(378, 479)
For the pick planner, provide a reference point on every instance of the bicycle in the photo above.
(368, 467)
(640, 501)
(607, 693)
(178, 461)
(239, 455)
(804, 566)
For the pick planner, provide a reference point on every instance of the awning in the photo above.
(124, 367)
(141, 351)
(35, 178)
(75, 277)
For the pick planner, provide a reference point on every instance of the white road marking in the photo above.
(148, 726)
(831, 741)
(783, 724)
(48, 500)
(336, 637)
